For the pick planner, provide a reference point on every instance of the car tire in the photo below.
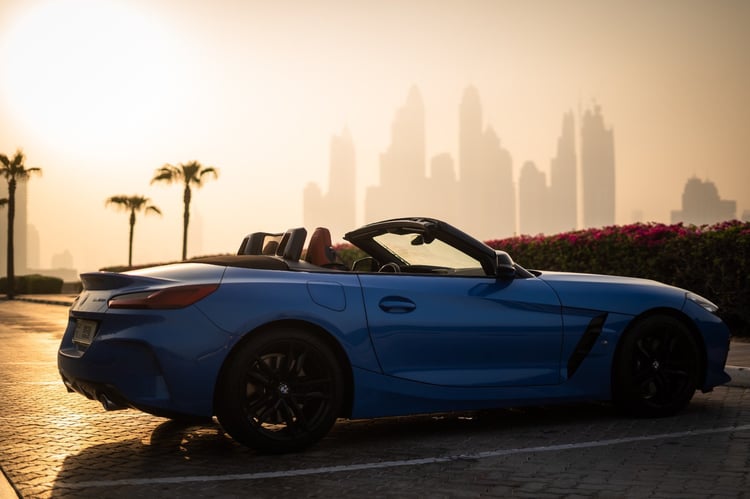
(281, 391)
(657, 368)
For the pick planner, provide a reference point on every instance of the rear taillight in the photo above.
(176, 297)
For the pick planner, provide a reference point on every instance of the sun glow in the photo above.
(87, 73)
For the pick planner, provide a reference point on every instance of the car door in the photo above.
(464, 331)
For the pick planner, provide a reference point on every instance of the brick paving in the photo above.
(56, 444)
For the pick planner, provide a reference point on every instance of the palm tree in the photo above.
(192, 173)
(14, 171)
(132, 204)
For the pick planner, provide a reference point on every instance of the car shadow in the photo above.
(405, 431)
(175, 449)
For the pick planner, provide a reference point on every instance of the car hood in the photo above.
(626, 295)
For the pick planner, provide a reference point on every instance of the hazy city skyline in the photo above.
(479, 195)
(483, 182)
(259, 88)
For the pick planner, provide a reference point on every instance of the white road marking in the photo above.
(394, 464)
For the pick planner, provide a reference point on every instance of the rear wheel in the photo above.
(658, 367)
(280, 392)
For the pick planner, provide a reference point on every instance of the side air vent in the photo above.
(586, 343)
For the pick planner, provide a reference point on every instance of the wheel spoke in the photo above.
(662, 386)
(260, 402)
(641, 349)
(295, 416)
(259, 378)
(299, 366)
(307, 396)
(264, 368)
(308, 389)
(675, 373)
(263, 417)
(308, 384)
(643, 377)
(286, 360)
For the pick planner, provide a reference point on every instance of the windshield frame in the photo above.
(429, 229)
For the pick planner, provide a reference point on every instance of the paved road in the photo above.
(56, 444)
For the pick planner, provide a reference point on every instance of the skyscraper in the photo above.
(563, 189)
(701, 204)
(487, 191)
(597, 170)
(336, 209)
(442, 189)
(534, 204)
(470, 145)
(402, 166)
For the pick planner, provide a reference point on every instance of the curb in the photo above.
(48, 301)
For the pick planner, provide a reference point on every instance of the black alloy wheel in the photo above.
(658, 367)
(280, 392)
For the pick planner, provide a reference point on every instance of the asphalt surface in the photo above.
(56, 444)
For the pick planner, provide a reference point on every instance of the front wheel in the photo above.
(280, 392)
(657, 369)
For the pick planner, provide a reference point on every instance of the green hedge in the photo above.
(713, 261)
(33, 284)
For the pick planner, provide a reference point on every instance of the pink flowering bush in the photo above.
(713, 261)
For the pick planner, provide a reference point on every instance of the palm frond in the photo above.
(168, 174)
(14, 168)
(133, 203)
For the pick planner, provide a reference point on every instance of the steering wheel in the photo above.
(390, 267)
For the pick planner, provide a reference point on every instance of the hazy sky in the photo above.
(99, 93)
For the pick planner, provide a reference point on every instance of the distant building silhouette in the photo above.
(470, 161)
(534, 206)
(487, 191)
(478, 194)
(442, 189)
(20, 230)
(701, 204)
(597, 170)
(62, 260)
(336, 209)
(32, 247)
(562, 211)
(401, 191)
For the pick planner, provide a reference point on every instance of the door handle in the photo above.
(397, 305)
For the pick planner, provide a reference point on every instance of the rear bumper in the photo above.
(110, 398)
(134, 360)
(128, 378)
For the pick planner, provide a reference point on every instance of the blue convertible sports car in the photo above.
(278, 345)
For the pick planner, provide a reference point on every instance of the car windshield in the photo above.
(414, 249)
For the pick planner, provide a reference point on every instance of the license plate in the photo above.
(84, 332)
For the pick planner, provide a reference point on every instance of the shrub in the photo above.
(33, 284)
(712, 261)
(348, 254)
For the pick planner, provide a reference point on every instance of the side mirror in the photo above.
(504, 268)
